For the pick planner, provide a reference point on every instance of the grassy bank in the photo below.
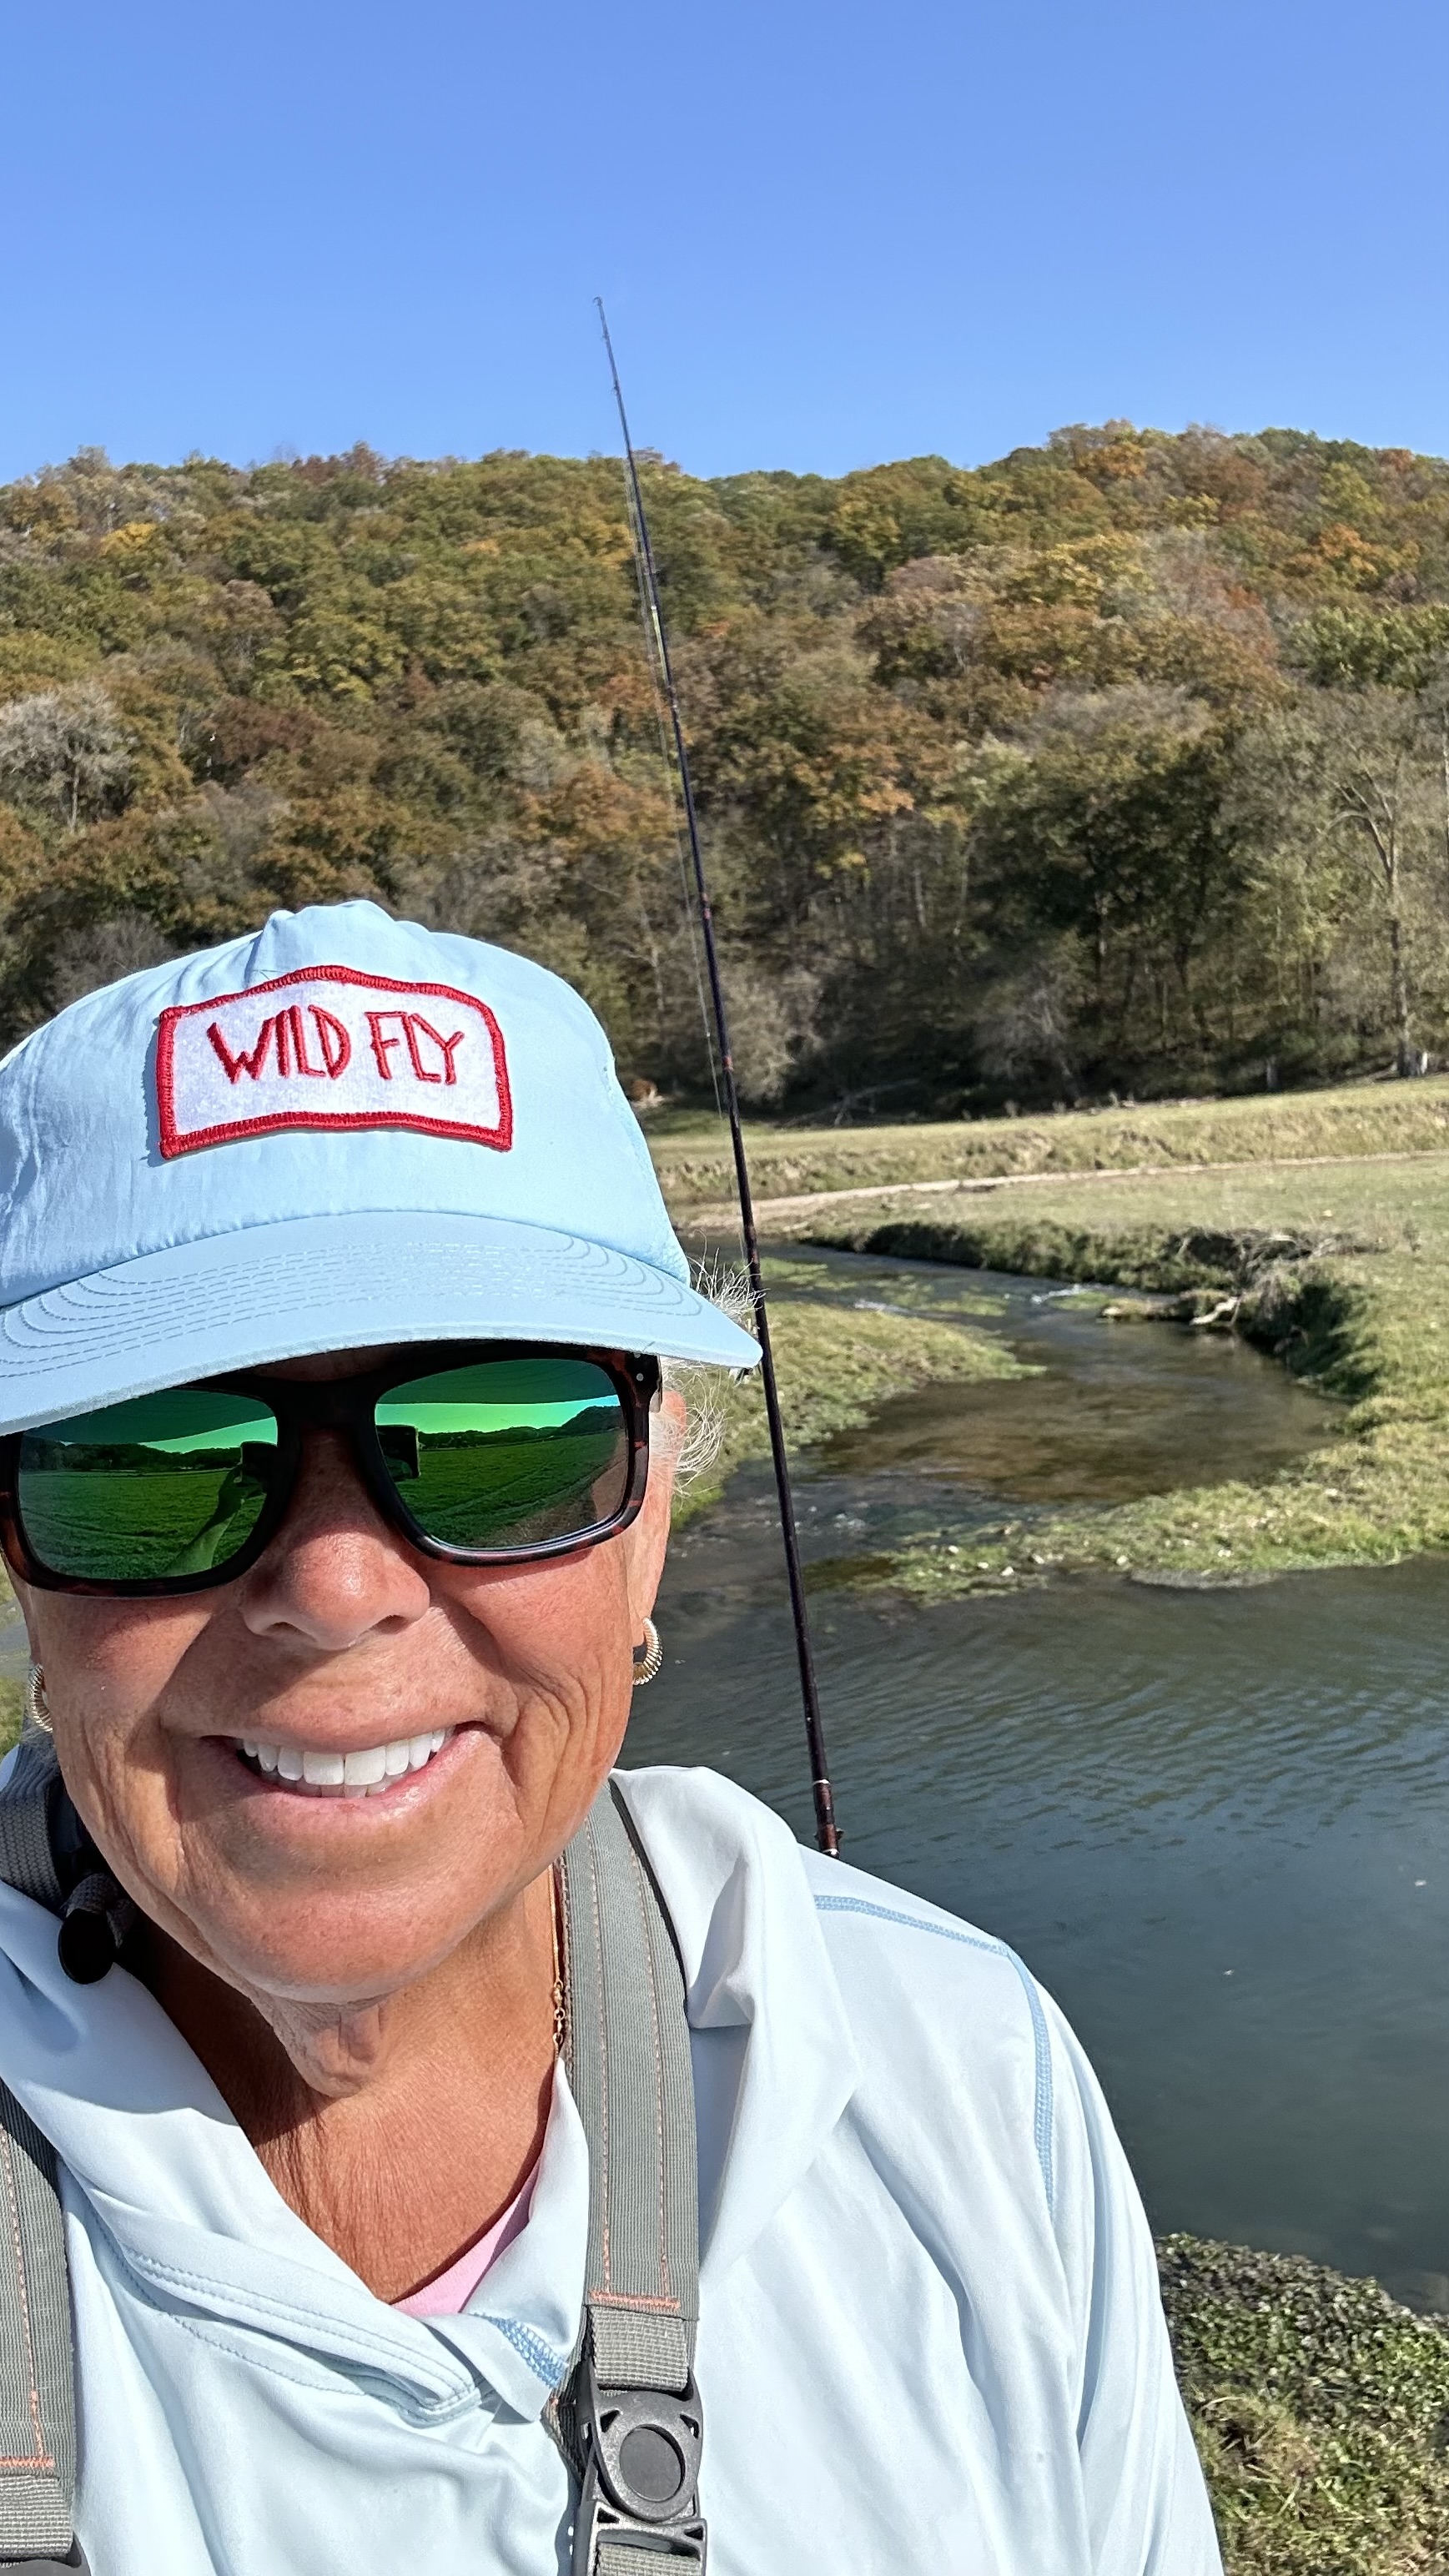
(1320, 2409)
(835, 1365)
(1344, 1275)
(692, 1157)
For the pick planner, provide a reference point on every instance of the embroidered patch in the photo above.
(329, 1047)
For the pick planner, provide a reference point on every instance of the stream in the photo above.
(1215, 1823)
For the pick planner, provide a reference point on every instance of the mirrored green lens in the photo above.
(508, 1453)
(167, 1484)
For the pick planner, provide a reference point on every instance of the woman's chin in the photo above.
(367, 1951)
(330, 1899)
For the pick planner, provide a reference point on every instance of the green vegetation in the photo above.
(158, 1519)
(1320, 2410)
(1116, 764)
(1343, 1273)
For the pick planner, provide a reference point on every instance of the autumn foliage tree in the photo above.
(1120, 762)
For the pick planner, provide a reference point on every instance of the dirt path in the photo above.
(724, 1212)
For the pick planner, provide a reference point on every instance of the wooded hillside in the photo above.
(1120, 764)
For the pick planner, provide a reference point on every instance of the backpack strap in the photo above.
(628, 2418)
(27, 1804)
(37, 2367)
(37, 2371)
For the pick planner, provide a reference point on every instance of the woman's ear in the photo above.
(647, 1539)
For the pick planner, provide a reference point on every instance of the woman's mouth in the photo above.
(316, 1771)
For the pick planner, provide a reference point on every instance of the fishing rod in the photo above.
(825, 1831)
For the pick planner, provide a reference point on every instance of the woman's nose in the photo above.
(335, 1572)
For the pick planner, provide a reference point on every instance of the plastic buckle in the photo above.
(642, 2449)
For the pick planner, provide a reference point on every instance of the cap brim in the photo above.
(339, 1283)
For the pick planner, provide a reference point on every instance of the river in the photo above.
(1216, 1823)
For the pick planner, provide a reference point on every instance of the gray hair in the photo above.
(697, 1445)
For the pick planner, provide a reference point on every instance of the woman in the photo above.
(335, 1287)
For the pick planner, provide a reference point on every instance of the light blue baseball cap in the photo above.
(343, 1131)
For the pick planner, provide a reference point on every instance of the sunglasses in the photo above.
(479, 1453)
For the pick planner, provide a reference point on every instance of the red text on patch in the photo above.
(374, 1053)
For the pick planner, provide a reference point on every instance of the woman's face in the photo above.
(343, 1639)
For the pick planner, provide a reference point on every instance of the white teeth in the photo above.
(320, 1773)
(364, 1770)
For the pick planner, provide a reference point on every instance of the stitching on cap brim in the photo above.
(338, 1283)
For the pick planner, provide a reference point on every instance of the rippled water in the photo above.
(1216, 1824)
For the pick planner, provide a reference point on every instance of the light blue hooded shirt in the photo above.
(930, 2339)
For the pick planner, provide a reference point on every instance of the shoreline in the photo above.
(1318, 1223)
(1319, 2407)
(1301, 1300)
(836, 1365)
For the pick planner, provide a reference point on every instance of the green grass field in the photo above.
(692, 1155)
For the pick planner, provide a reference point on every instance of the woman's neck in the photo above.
(399, 2129)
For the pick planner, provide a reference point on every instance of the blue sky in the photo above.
(826, 236)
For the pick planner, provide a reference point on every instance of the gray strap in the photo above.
(629, 2070)
(26, 1858)
(37, 2368)
(37, 2389)
(629, 2417)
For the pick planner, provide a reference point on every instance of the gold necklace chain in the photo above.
(560, 1989)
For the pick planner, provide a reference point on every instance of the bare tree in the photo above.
(64, 751)
(1346, 786)
(1377, 785)
(772, 1026)
(1026, 1018)
(102, 953)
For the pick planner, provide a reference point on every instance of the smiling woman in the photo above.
(469, 2159)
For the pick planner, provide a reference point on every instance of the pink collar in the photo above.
(448, 2293)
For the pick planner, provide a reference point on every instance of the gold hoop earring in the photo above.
(37, 1706)
(648, 1657)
